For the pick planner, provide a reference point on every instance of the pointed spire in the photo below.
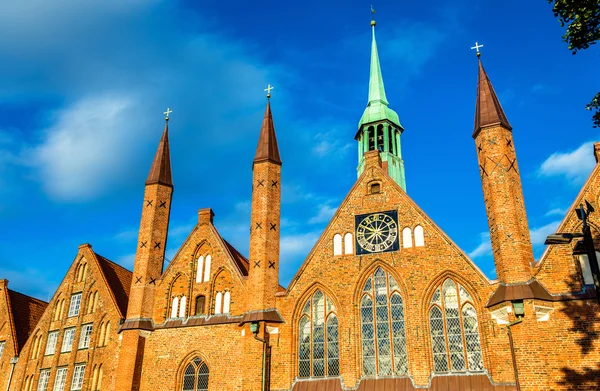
(377, 107)
(160, 172)
(267, 148)
(488, 110)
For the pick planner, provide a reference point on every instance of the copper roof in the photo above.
(530, 290)
(270, 316)
(267, 143)
(26, 312)
(160, 172)
(488, 110)
(119, 281)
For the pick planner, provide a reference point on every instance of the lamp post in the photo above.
(583, 213)
(254, 329)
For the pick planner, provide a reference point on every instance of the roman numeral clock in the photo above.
(376, 232)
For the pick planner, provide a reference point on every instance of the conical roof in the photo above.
(160, 172)
(488, 110)
(267, 148)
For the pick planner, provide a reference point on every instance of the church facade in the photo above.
(365, 311)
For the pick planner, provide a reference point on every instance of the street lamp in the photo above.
(585, 246)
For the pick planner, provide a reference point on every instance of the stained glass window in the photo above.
(454, 330)
(382, 327)
(318, 343)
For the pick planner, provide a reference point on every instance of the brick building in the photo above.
(365, 311)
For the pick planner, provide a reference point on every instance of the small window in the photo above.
(44, 378)
(84, 338)
(106, 334)
(407, 238)
(337, 244)
(2, 344)
(78, 372)
(97, 379)
(200, 302)
(207, 269)
(61, 379)
(419, 237)
(375, 188)
(174, 306)
(199, 269)
(75, 304)
(51, 343)
(218, 302)
(182, 307)
(348, 241)
(67, 343)
(226, 302)
(586, 269)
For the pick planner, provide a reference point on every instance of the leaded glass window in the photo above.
(454, 330)
(382, 327)
(318, 342)
(195, 376)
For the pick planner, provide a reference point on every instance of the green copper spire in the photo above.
(377, 108)
(379, 127)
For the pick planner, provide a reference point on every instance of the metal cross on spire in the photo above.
(268, 89)
(166, 113)
(476, 47)
(372, 15)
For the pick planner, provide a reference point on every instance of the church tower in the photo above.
(379, 127)
(148, 264)
(263, 279)
(501, 182)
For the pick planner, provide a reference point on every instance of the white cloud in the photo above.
(556, 212)
(298, 244)
(574, 165)
(323, 215)
(539, 235)
(484, 248)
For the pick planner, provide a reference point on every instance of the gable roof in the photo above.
(26, 312)
(242, 262)
(118, 279)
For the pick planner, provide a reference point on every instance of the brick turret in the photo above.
(263, 277)
(501, 184)
(148, 265)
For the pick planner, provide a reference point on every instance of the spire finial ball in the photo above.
(478, 54)
(373, 23)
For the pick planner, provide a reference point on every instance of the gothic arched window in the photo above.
(454, 330)
(382, 325)
(195, 376)
(318, 350)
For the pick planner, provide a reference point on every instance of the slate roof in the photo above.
(26, 313)
(119, 281)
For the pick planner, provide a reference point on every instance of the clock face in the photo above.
(377, 232)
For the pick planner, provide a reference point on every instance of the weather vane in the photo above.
(476, 47)
(268, 89)
(166, 113)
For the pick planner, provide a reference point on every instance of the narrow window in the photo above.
(218, 302)
(195, 376)
(2, 344)
(102, 333)
(61, 379)
(107, 334)
(67, 343)
(97, 379)
(182, 307)
(419, 237)
(100, 375)
(174, 307)
(77, 381)
(226, 302)
(95, 301)
(85, 269)
(348, 241)
(75, 304)
(337, 244)
(380, 137)
(390, 139)
(44, 378)
(586, 269)
(454, 330)
(407, 238)
(199, 269)
(207, 269)
(85, 336)
(371, 133)
(382, 327)
(51, 343)
(62, 309)
(200, 301)
(318, 345)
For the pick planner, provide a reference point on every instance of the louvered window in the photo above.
(382, 327)
(454, 330)
(318, 345)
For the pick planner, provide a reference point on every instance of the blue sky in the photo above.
(83, 86)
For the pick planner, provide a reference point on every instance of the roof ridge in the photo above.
(28, 296)
(112, 262)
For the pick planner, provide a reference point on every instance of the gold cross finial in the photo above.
(166, 113)
(268, 89)
(476, 47)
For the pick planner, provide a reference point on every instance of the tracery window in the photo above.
(382, 325)
(454, 330)
(318, 346)
(195, 376)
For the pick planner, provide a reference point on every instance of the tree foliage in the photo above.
(582, 18)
